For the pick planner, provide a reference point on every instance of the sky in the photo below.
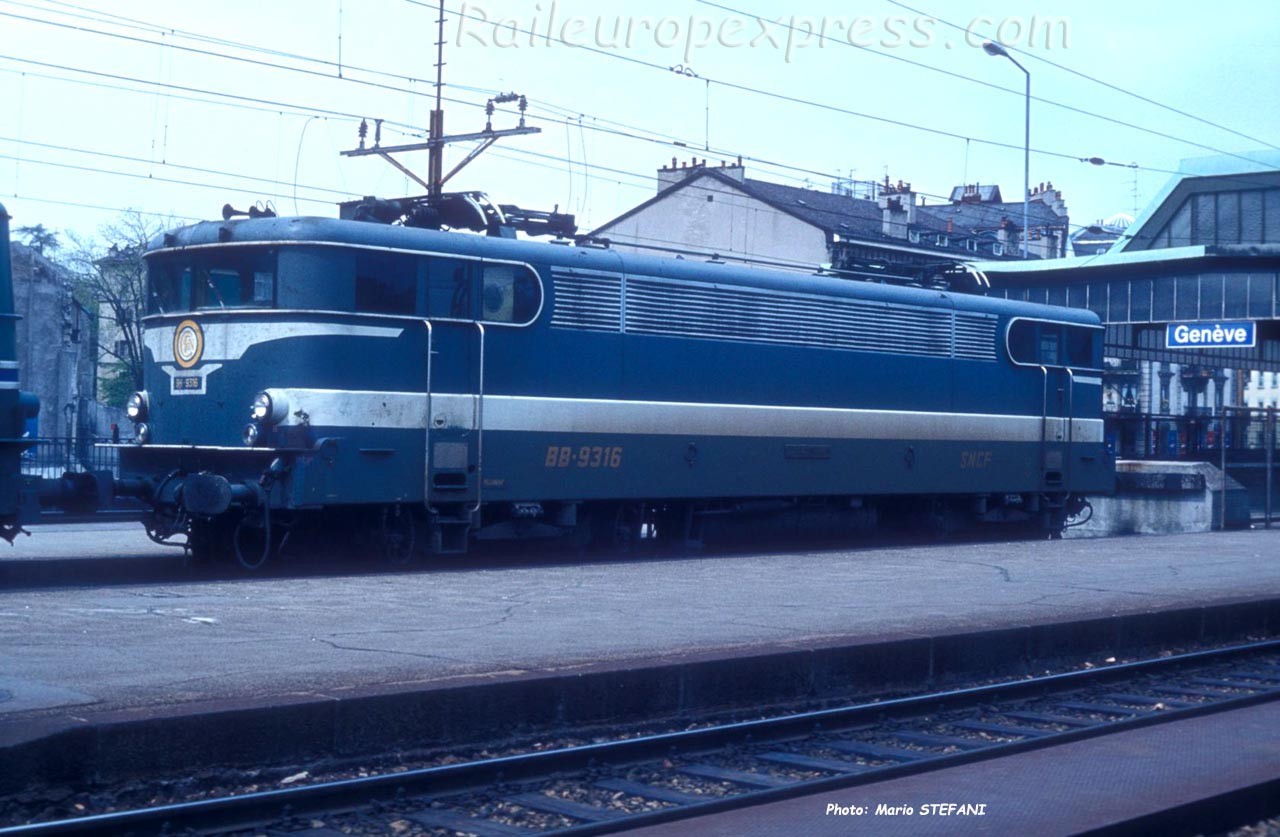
(174, 109)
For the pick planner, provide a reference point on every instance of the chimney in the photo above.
(1051, 198)
(897, 208)
(678, 171)
(735, 169)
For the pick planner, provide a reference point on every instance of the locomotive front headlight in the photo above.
(269, 407)
(136, 407)
(261, 407)
(141, 433)
(250, 434)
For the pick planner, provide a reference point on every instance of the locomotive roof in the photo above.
(302, 230)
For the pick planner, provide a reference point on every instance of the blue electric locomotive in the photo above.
(15, 406)
(307, 370)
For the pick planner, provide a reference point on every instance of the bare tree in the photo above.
(110, 280)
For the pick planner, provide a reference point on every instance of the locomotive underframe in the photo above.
(608, 490)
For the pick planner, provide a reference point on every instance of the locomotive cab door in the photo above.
(1055, 349)
(1055, 428)
(455, 403)
(1055, 421)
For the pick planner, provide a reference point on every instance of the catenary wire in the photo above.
(991, 85)
(785, 97)
(1095, 80)
(568, 121)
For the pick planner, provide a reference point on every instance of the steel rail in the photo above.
(249, 810)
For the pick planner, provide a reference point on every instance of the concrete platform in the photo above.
(1126, 783)
(341, 665)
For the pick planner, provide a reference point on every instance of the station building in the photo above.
(1204, 254)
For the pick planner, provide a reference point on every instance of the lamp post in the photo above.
(994, 49)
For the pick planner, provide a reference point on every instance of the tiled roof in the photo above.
(967, 217)
(986, 193)
(831, 212)
(860, 218)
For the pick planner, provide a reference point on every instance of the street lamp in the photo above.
(994, 49)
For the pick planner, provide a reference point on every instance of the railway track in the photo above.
(607, 787)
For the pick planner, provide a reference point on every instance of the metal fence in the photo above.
(50, 457)
(1240, 441)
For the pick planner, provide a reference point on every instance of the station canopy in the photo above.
(1205, 254)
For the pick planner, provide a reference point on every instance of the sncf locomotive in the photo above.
(430, 388)
(22, 496)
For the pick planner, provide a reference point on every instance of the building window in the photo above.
(1203, 209)
(1228, 219)
(1180, 227)
(1271, 216)
(1251, 217)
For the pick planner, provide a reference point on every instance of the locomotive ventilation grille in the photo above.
(607, 302)
(591, 301)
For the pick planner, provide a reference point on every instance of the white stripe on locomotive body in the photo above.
(1088, 380)
(514, 413)
(355, 408)
(230, 340)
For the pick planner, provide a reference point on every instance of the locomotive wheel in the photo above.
(397, 535)
(674, 524)
(613, 527)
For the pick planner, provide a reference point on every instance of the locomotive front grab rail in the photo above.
(478, 420)
(1071, 423)
(1044, 423)
(426, 426)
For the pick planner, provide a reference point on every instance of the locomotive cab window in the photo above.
(491, 292)
(509, 293)
(449, 288)
(386, 283)
(1040, 343)
(211, 278)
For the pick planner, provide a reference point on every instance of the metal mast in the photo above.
(436, 137)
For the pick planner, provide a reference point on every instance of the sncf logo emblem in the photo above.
(188, 343)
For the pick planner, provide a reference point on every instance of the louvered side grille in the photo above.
(787, 319)
(595, 302)
(975, 336)
(590, 301)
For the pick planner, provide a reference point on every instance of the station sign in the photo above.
(1227, 335)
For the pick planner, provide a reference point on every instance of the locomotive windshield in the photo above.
(226, 277)
(1044, 343)
(356, 279)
